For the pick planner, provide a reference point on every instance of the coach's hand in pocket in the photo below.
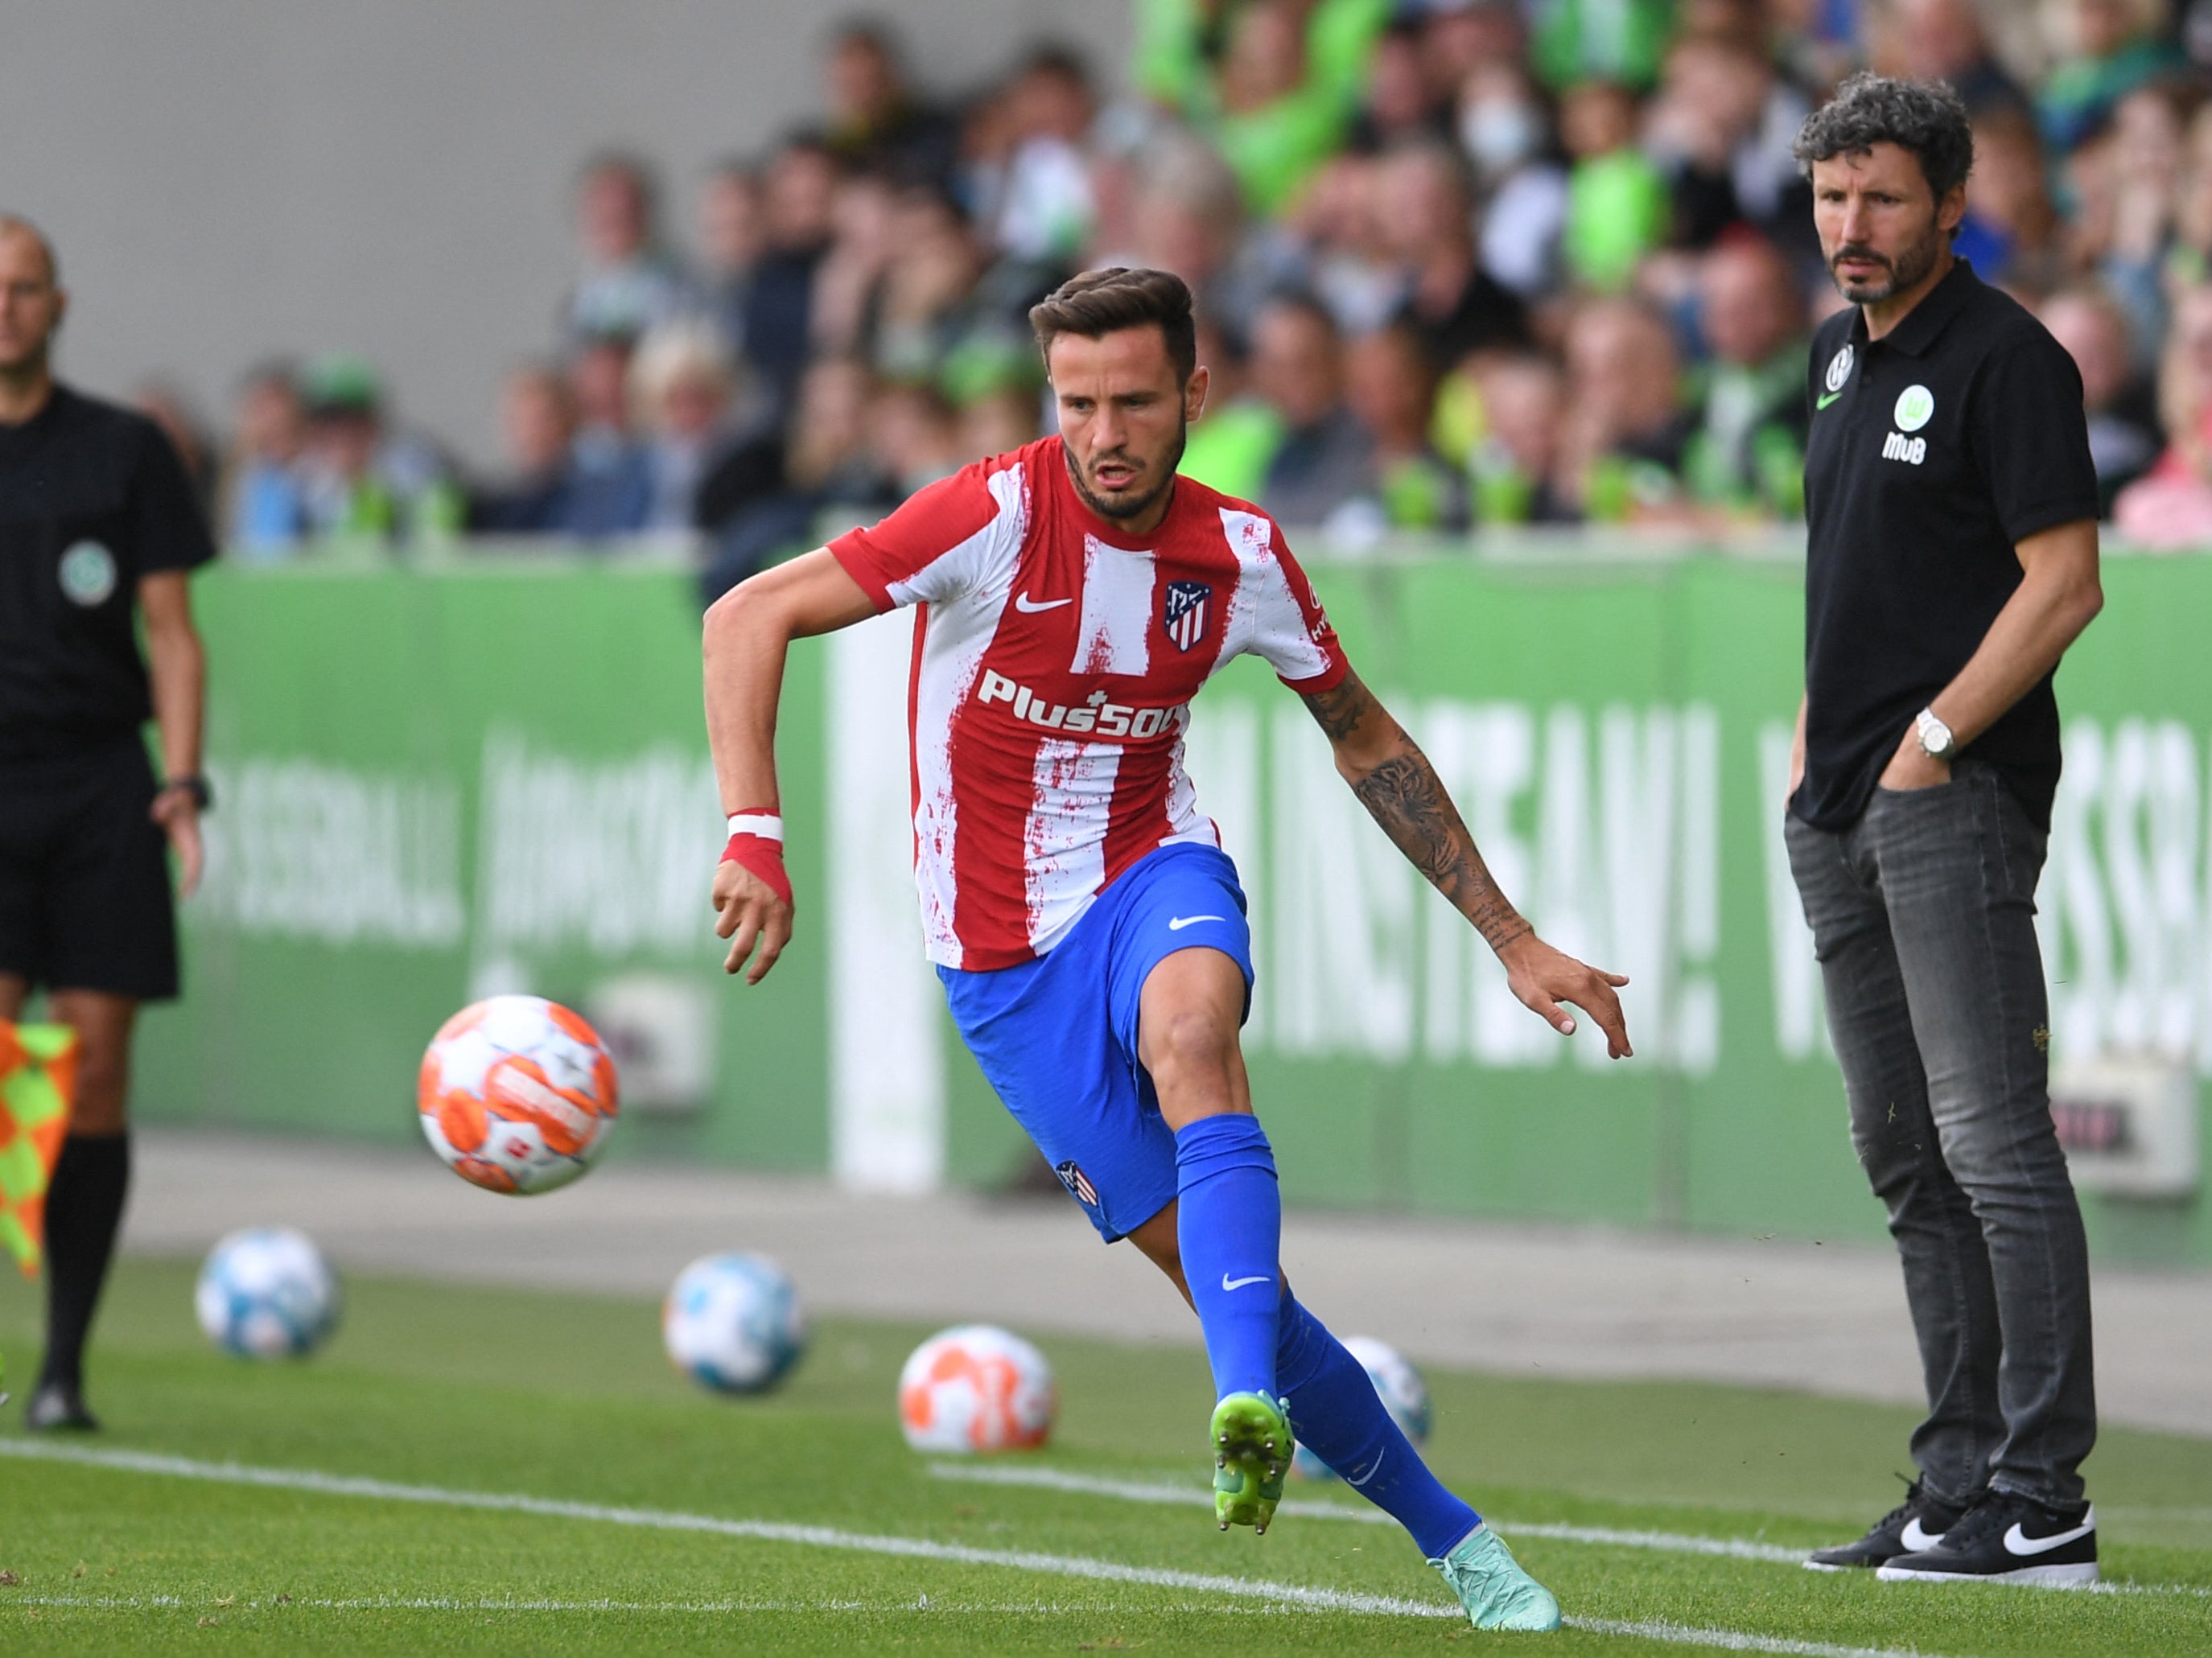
(748, 911)
(178, 815)
(1913, 767)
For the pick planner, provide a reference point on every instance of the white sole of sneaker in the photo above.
(2078, 1575)
(1822, 1565)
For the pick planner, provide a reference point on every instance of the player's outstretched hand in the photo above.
(1543, 977)
(748, 912)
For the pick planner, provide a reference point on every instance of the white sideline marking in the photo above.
(1081, 1566)
(1130, 1491)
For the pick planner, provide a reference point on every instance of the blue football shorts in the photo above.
(1057, 1036)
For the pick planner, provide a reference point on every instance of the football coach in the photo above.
(1951, 558)
(98, 530)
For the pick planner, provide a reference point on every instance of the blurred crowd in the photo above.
(1459, 263)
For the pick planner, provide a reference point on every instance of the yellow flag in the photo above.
(38, 1079)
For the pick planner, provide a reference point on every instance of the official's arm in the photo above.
(2059, 596)
(748, 632)
(1402, 792)
(177, 670)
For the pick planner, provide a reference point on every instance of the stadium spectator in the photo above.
(1047, 209)
(913, 436)
(799, 199)
(1506, 134)
(1618, 206)
(683, 393)
(1185, 216)
(1427, 218)
(1229, 447)
(1347, 263)
(2171, 506)
(1515, 467)
(549, 491)
(628, 282)
(877, 121)
(2122, 435)
(1324, 457)
(1722, 127)
(264, 508)
(1400, 104)
(364, 484)
(1622, 443)
(2136, 194)
(998, 421)
(1944, 40)
(1390, 385)
(732, 236)
(1620, 42)
(1746, 455)
(2105, 49)
(1281, 100)
(2011, 233)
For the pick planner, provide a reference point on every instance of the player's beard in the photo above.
(1904, 272)
(1125, 507)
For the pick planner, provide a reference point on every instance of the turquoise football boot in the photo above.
(1491, 1585)
(1252, 1448)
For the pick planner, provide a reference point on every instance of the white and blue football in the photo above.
(1404, 1395)
(733, 1323)
(267, 1292)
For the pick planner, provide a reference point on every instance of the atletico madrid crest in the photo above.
(1078, 1183)
(1184, 613)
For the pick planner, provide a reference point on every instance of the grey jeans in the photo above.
(1923, 917)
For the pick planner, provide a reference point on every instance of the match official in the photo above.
(1951, 559)
(98, 527)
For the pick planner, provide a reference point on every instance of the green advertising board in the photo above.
(435, 785)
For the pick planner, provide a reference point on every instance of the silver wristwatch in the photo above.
(1935, 739)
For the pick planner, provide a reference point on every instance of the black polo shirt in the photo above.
(1933, 452)
(92, 498)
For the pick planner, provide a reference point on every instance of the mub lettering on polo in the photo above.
(1898, 446)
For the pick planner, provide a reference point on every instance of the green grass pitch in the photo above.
(567, 1398)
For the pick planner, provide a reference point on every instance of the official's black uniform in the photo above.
(1935, 451)
(92, 498)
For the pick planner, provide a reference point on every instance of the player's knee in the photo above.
(1190, 1047)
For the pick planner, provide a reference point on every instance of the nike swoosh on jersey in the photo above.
(1229, 1283)
(1916, 1538)
(1826, 398)
(1177, 923)
(1030, 606)
(2018, 1542)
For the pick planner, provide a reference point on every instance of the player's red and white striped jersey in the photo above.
(1054, 665)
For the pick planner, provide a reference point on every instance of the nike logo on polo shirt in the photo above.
(1916, 1538)
(1177, 923)
(1826, 398)
(1229, 1283)
(1029, 606)
(2018, 1542)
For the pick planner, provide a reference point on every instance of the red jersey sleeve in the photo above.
(944, 540)
(1293, 632)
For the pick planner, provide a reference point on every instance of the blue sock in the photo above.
(1338, 1416)
(1228, 1225)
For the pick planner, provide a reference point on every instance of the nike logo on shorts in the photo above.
(1177, 923)
(2018, 1542)
(1029, 606)
(1229, 1283)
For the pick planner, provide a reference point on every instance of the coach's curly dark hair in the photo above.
(1925, 117)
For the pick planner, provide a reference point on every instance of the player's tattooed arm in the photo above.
(1402, 792)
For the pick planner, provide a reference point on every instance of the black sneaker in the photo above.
(2009, 1539)
(54, 1406)
(1917, 1523)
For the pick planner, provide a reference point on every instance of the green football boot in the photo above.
(1491, 1585)
(1252, 1448)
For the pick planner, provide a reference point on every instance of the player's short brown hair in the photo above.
(1102, 302)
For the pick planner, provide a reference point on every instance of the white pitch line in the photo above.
(1131, 1490)
(1080, 1566)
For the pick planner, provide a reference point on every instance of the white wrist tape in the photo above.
(765, 825)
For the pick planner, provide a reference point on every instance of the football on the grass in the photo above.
(1404, 1395)
(517, 1094)
(266, 1292)
(733, 1323)
(976, 1387)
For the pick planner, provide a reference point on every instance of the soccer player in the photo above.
(1090, 933)
(99, 531)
